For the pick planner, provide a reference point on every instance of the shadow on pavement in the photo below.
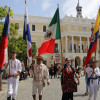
(4, 81)
(79, 95)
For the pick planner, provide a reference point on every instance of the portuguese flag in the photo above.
(51, 35)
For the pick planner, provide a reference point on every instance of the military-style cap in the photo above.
(39, 57)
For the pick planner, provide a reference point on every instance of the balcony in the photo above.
(77, 51)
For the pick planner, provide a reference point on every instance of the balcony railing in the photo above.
(77, 51)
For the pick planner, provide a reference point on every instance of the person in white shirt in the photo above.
(40, 72)
(93, 80)
(13, 76)
(86, 70)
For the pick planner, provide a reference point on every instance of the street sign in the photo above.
(57, 58)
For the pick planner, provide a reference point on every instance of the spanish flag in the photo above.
(93, 42)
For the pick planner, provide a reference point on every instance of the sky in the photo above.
(47, 8)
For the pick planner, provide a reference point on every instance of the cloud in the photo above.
(89, 7)
(46, 5)
(69, 7)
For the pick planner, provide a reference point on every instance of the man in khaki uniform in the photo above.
(40, 71)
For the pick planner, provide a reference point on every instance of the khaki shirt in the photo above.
(41, 72)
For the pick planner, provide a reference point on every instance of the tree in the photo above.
(3, 14)
(13, 29)
(20, 45)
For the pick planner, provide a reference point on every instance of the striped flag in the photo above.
(93, 42)
(52, 34)
(27, 35)
(4, 40)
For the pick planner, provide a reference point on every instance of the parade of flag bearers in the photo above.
(49, 50)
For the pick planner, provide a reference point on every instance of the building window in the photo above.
(16, 25)
(33, 27)
(56, 48)
(82, 47)
(75, 48)
(44, 28)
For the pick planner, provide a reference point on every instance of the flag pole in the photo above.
(61, 46)
(0, 79)
(61, 51)
(9, 41)
(99, 39)
(1, 69)
(94, 65)
(95, 55)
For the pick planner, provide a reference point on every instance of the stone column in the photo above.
(72, 45)
(80, 45)
(66, 47)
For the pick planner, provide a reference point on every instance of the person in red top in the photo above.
(67, 80)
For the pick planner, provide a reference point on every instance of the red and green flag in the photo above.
(51, 35)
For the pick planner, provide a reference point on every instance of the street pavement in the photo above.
(52, 92)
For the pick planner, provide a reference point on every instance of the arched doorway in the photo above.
(77, 61)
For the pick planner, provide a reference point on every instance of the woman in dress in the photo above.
(67, 81)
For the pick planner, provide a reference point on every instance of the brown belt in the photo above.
(10, 76)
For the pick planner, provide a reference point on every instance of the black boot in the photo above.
(9, 98)
(13, 99)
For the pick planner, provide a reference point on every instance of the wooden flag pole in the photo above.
(1, 69)
(9, 42)
(92, 29)
(0, 79)
(95, 55)
(61, 47)
(61, 52)
(99, 39)
(94, 65)
(61, 56)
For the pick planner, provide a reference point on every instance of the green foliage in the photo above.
(3, 12)
(13, 29)
(20, 46)
(34, 50)
(1, 28)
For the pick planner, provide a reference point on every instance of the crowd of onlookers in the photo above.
(53, 71)
(26, 71)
